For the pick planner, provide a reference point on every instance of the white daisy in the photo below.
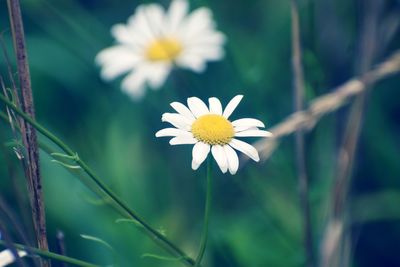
(6, 257)
(210, 129)
(154, 40)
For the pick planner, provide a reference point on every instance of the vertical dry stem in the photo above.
(346, 155)
(366, 57)
(29, 137)
(298, 91)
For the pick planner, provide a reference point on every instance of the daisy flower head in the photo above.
(209, 129)
(154, 40)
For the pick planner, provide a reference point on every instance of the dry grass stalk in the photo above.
(326, 104)
(29, 138)
(298, 92)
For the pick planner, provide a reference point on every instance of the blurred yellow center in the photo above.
(164, 49)
(213, 129)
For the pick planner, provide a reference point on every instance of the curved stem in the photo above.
(154, 234)
(204, 236)
(51, 255)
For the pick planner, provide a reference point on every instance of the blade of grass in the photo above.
(50, 255)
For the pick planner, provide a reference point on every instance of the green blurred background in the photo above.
(256, 216)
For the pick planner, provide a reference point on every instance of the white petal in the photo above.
(245, 148)
(126, 36)
(206, 38)
(159, 75)
(220, 157)
(191, 61)
(248, 122)
(233, 160)
(139, 30)
(172, 132)
(156, 18)
(177, 120)
(253, 133)
(197, 106)
(116, 53)
(121, 34)
(209, 53)
(7, 257)
(215, 105)
(196, 22)
(199, 153)
(183, 110)
(135, 83)
(140, 23)
(232, 106)
(244, 128)
(176, 13)
(183, 140)
(117, 60)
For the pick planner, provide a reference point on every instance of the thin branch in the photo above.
(298, 91)
(327, 103)
(28, 131)
(50, 255)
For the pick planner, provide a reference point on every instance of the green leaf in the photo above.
(123, 220)
(98, 240)
(68, 166)
(159, 257)
(74, 157)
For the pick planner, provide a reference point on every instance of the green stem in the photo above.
(204, 236)
(154, 234)
(51, 255)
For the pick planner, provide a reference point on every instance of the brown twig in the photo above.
(298, 91)
(327, 103)
(29, 137)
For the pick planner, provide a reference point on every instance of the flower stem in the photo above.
(51, 255)
(204, 236)
(155, 235)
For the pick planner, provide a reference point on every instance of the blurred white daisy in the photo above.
(210, 129)
(6, 257)
(155, 40)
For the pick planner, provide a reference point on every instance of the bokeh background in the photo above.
(256, 215)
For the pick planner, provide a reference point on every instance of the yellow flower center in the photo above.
(164, 49)
(213, 129)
